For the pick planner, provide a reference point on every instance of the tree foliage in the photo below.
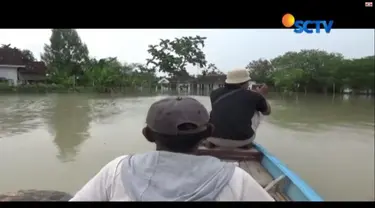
(66, 54)
(261, 69)
(211, 70)
(104, 72)
(109, 73)
(288, 79)
(172, 56)
(67, 58)
(314, 71)
(26, 54)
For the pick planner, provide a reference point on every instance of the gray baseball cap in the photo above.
(166, 115)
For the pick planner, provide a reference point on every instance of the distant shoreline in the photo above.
(53, 88)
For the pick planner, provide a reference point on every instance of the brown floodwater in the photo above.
(60, 141)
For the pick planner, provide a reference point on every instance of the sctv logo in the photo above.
(303, 26)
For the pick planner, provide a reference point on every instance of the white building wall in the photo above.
(9, 73)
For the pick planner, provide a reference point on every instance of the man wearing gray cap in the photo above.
(173, 172)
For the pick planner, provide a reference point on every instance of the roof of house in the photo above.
(13, 56)
(36, 67)
(181, 79)
(163, 81)
(10, 56)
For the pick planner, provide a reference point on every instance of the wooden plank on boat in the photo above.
(257, 171)
(230, 154)
(279, 196)
(247, 159)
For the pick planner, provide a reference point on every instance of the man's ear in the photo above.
(148, 134)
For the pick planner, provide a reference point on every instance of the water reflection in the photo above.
(69, 122)
(20, 114)
(104, 108)
(341, 125)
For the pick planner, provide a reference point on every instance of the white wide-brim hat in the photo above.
(237, 76)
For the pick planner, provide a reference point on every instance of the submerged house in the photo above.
(206, 83)
(183, 83)
(200, 84)
(16, 69)
(163, 85)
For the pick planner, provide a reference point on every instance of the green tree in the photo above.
(288, 79)
(213, 70)
(322, 67)
(28, 55)
(105, 73)
(261, 71)
(319, 68)
(366, 72)
(327, 76)
(292, 60)
(5, 45)
(142, 76)
(357, 74)
(66, 55)
(172, 56)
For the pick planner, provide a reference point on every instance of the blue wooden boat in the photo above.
(274, 176)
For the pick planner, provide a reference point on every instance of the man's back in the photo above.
(110, 183)
(232, 115)
(173, 172)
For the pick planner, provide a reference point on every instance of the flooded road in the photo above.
(60, 141)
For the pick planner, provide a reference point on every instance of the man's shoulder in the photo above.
(119, 158)
(217, 92)
(252, 95)
(222, 90)
(113, 164)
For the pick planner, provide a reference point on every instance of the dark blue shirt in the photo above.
(232, 115)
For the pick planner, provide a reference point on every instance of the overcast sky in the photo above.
(227, 48)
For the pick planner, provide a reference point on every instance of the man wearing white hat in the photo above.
(235, 110)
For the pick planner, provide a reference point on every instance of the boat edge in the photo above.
(306, 189)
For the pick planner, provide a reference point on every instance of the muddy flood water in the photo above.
(59, 141)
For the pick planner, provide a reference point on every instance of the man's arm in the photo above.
(98, 188)
(262, 104)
